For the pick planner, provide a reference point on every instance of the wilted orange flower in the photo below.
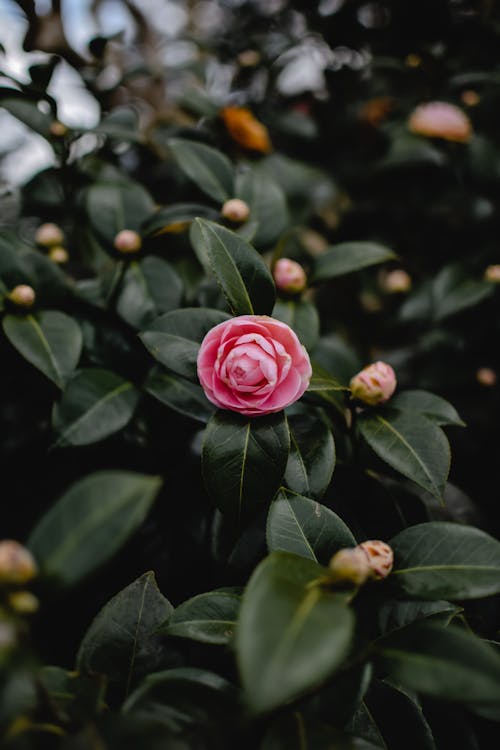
(376, 110)
(245, 129)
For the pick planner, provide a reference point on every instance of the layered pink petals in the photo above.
(374, 384)
(253, 364)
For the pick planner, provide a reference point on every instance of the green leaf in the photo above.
(321, 380)
(27, 112)
(294, 732)
(243, 461)
(211, 171)
(267, 204)
(113, 206)
(306, 528)
(121, 642)
(391, 614)
(453, 291)
(312, 455)
(446, 561)
(95, 404)
(242, 275)
(180, 395)
(442, 662)
(176, 338)
(90, 522)
(49, 340)
(178, 213)
(411, 444)
(208, 618)
(291, 635)
(149, 288)
(433, 407)
(387, 700)
(348, 257)
(302, 316)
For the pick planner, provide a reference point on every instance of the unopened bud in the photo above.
(370, 302)
(23, 602)
(17, 565)
(49, 235)
(492, 274)
(22, 296)
(470, 98)
(396, 282)
(380, 558)
(486, 376)
(58, 255)
(289, 276)
(374, 384)
(128, 241)
(413, 60)
(58, 129)
(235, 210)
(350, 565)
(249, 58)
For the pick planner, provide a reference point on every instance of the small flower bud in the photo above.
(22, 296)
(350, 565)
(486, 376)
(380, 558)
(249, 58)
(470, 98)
(58, 129)
(128, 241)
(59, 255)
(492, 274)
(413, 60)
(16, 563)
(235, 210)
(370, 302)
(374, 384)
(396, 282)
(23, 602)
(49, 235)
(289, 276)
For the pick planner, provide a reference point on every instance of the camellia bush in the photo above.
(244, 315)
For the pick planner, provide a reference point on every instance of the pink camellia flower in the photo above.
(289, 276)
(380, 558)
(253, 364)
(374, 384)
(441, 120)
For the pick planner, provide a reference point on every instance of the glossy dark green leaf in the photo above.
(312, 455)
(321, 380)
(411, 730)
(180, 395)
(209, 169)
(49, 340)
(242, 275)
(243, 461)
(442, 662)
(362, 723)
(177, 214)
(94, 405)
(291, 635)
(446, 561)
(90, 522)
(175, 337)
(267, 204)
(453, 291)
(393, 614)
(348, 257)
(294, 732)
(432, 406)
(113, 206)
(208, 618)
(27, 112)
(411, 444)
(149, 288)
(306, 528)
(302, 316)
(122, 642)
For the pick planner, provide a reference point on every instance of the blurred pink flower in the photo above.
(441, 120)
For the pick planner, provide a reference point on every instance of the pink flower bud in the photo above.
(49, 235)
(128, 241)
(492, 274)
(235, 210)
(289, 276)
(380, 558)
(58, 255)
(441, 120)
(486, 376)
(22, 296)
(396, 282)
(374, 384)
(16, 563)
(350, 565)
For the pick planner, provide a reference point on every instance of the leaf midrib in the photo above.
(75, 425)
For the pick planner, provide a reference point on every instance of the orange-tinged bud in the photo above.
(470, 98)
(23, 602)
(413, 60)
(380, 558)
(59, 255)
(376, 110)
(246, 130)
(22, 296)
(17, 565)
(49, 235)
(492, 273)
(235, 210)
(396, 282)
(350, 565)
(374, 384)
(289, 276)
(486, 376)
(58, 129)
(128, 241)
(249, 58)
